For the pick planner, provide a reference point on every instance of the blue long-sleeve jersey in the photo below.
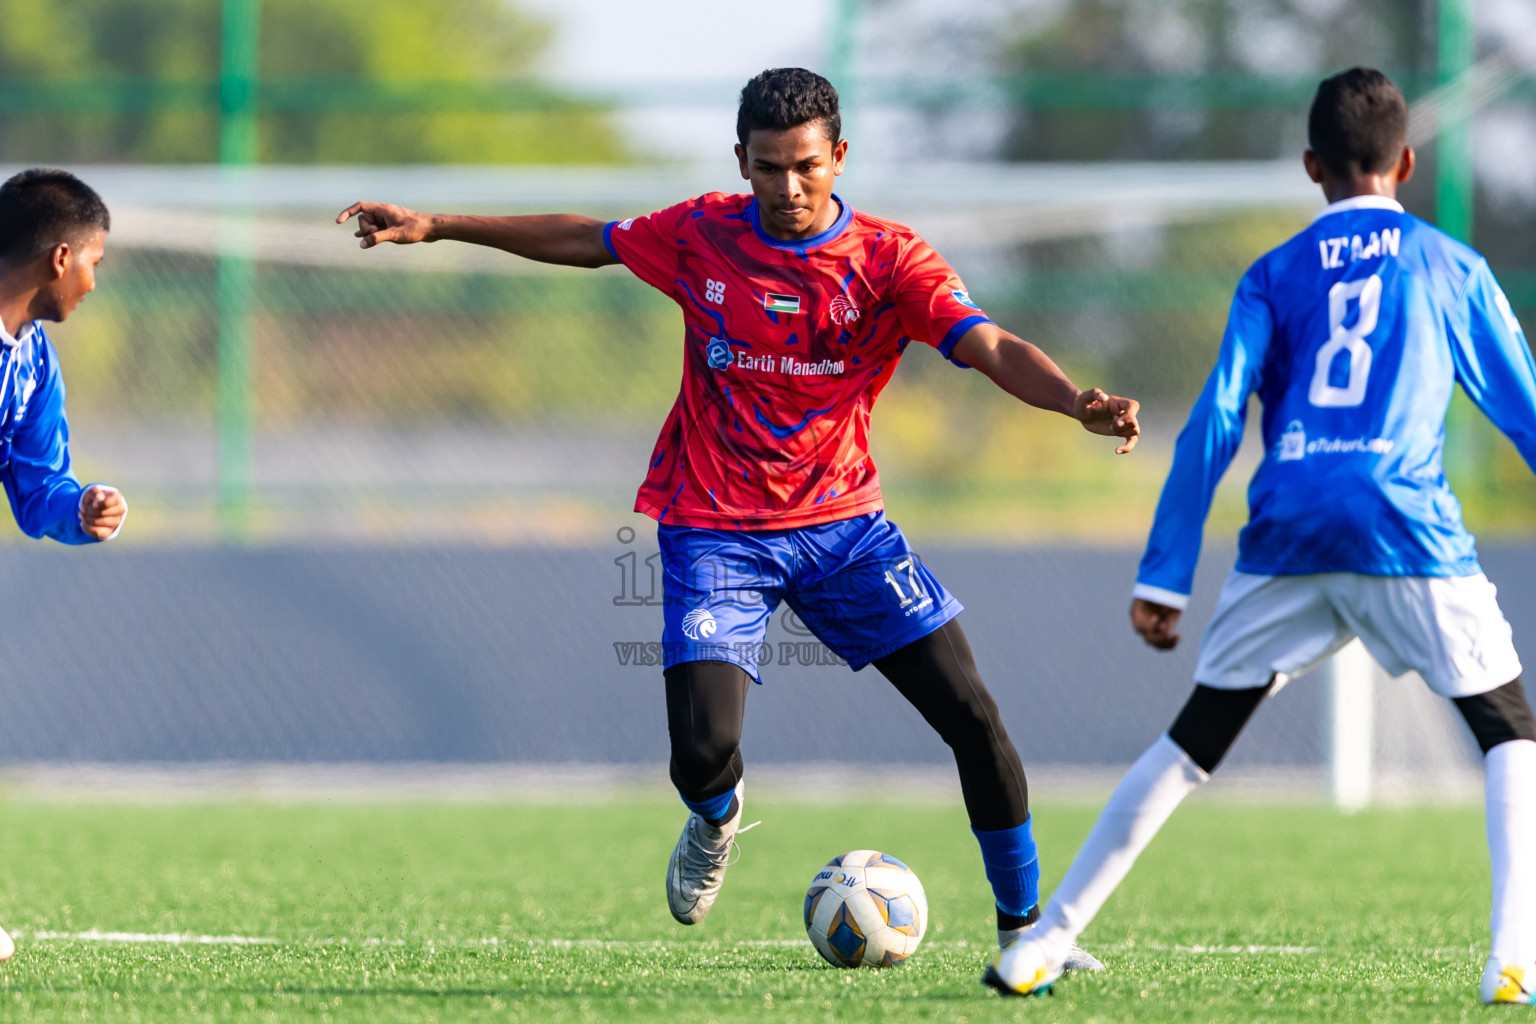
(1353, 334)
(34, 439)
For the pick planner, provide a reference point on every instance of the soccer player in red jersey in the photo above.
(796, 310)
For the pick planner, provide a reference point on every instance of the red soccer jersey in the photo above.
(786, 346)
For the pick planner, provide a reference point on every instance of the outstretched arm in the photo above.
(561, 238)
(1028, 374)
(1493, 361)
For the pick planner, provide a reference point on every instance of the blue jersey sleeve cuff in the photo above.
(608, 240)
(954, 334)
(1157, 595)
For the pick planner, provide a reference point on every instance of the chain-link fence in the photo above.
(445, 392)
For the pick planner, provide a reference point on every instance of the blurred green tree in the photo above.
(107, 52)
(1164, 46)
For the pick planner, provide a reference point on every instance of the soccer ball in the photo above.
(865, 909)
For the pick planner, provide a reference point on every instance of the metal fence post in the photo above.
(1455, 50)
(842, 44)
(239, 75)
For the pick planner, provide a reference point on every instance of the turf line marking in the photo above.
(1159, 947)
(178, 939)
(148, 937)
(629, 943)
(1261, 950)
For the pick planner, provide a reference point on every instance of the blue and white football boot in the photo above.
(699, 861)
(1503, 984)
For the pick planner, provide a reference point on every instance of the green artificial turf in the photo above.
(444, 913)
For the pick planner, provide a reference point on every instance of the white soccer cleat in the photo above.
(1025, 968)
(1078, 958)
(1507, 984)
(699, 861)
(7, 947)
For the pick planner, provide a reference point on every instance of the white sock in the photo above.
(1512, 848)
(1156, 784)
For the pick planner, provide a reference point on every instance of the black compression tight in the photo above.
(938, 676)
(1212, 719)
(1500, 715)
(706, 701)
(705, 704)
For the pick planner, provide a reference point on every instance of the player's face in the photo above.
(792, 173)
(73, 266)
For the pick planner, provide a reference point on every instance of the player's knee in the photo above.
(971, 723)
(1211, 720)
(703, 758)
(706, 757)
(1500, 715)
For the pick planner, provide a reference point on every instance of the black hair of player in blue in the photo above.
(1358, 123)
(783, 98)
(44, 207)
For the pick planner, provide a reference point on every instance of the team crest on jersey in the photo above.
(843, 312)
(699, 624)
(964, 298)
(720, 355)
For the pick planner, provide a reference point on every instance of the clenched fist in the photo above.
(102, 510)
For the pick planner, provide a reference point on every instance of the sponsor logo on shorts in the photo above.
(699, 624)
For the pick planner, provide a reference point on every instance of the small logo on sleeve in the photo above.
(625, 225)
(773, 302)
(964, 298)
(1501, 301)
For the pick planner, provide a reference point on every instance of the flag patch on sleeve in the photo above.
(773, 302)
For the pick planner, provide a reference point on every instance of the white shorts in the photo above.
(1447, 629)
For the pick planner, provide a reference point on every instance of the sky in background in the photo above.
(694, 51)
(715, 46)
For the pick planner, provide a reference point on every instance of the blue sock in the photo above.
(714, 808)
(1013, 867)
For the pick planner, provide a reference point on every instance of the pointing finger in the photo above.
(350, 212)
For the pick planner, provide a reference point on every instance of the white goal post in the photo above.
(1350, 680)
(1391, 741)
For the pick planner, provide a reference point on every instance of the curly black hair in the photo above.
(784, 98)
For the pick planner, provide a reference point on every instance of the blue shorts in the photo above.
(856, 584)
